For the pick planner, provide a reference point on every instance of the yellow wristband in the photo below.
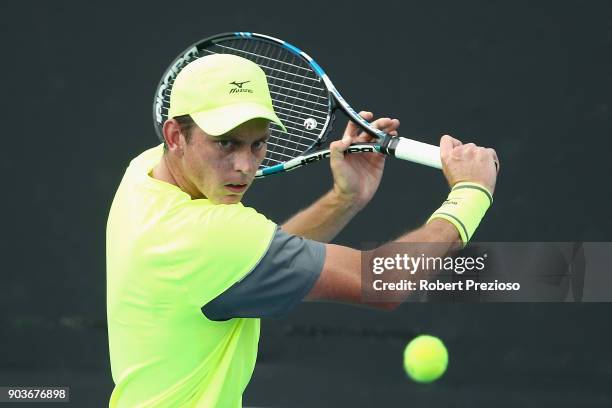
(465, 206)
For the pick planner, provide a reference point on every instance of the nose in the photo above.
(245, 161)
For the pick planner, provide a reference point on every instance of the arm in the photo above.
(294, 268)
(323, 220)
(340, 279)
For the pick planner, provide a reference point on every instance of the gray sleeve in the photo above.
(281, 279)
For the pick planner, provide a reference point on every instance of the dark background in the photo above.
(531, 79)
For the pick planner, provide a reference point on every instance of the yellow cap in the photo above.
(220, 92)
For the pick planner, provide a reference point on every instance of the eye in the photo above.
(225, 144)
(258, 145)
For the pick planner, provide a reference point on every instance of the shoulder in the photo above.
(220, 215)
(218, 226)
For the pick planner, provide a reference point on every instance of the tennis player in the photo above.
(190, 270)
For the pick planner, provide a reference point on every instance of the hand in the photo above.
(468, 162)
(357, 176)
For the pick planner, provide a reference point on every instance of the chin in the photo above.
(230, 200)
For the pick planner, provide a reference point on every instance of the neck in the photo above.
(164, 171)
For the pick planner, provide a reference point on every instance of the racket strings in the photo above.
(298, 98)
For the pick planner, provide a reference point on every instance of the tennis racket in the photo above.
(303, 97)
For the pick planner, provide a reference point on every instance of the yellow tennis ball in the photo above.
(425, 359)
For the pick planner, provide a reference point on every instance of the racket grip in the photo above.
(418, 152)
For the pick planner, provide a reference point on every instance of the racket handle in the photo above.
(417, 152)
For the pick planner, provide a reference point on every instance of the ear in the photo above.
(172, 135)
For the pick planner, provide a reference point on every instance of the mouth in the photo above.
(236, 188)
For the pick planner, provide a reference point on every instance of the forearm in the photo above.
(341, 278)
(322, 220)
(472, 173)
(437, 231)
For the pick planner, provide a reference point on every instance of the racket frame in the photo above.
(385, 143)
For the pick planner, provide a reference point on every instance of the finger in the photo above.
(392, 128)
(467, 151)
(353, 129)
(363, 135)
(493, 154)
(337, 149)
(495, 158)
(447, 144)
(366, 115)
(386, 125)
(455, 142)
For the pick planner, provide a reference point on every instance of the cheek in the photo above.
(260, 155)
(205, 167)
(215, 170)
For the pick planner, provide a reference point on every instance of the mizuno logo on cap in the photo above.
(239, 87)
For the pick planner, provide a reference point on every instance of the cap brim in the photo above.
(216, 122)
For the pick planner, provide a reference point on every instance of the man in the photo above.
(191, 270)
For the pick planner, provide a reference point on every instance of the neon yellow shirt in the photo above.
(167, 256)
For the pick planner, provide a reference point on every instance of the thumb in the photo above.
(338, 147)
